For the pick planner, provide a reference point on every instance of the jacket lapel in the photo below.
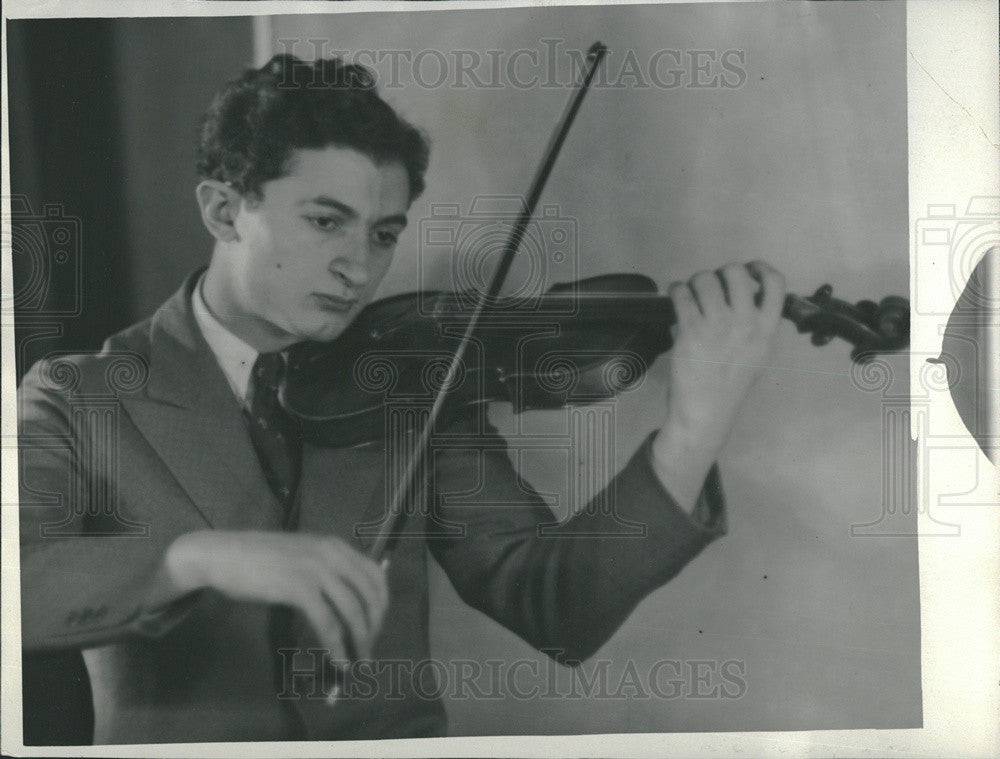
(189, 414)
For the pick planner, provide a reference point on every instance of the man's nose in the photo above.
(351, 268)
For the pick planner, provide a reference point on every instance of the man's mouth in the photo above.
(334, 302)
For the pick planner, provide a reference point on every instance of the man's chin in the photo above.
(324, 332)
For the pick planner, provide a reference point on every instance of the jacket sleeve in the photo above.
(567, 587)
(88, 576)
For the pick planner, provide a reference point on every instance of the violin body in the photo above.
(578, 343)
(543, 353)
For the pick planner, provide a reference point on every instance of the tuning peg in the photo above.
(822, 294)
(868, 309)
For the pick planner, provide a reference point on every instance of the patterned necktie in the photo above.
(279, 448)
(274, 434)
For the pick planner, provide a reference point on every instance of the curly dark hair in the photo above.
(257, 120)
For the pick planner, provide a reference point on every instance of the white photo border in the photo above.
(952, 75)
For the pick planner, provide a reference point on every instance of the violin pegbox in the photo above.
(872, 328)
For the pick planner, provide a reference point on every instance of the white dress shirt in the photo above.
(235, 356)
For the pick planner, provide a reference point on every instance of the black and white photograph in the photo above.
(480, 379)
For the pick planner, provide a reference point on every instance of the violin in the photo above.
(580, 342)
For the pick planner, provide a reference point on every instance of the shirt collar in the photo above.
(235, 356)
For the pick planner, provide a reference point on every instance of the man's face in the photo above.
(313, 250)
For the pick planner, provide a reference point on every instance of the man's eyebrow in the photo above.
(323, 200)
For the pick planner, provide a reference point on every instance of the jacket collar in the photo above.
(183, 370)
(191, 416)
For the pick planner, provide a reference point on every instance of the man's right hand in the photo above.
(342, 592)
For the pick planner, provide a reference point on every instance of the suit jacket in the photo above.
(123, 451)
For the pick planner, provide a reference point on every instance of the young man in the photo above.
(211, 573)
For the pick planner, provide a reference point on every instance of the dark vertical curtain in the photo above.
(68, 225)
(103, 120)
(68, 248)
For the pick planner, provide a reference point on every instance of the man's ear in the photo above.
(219, 204)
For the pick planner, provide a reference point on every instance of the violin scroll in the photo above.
(872, 328)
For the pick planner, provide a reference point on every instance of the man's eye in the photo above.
(386, 239)
(325, 223)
